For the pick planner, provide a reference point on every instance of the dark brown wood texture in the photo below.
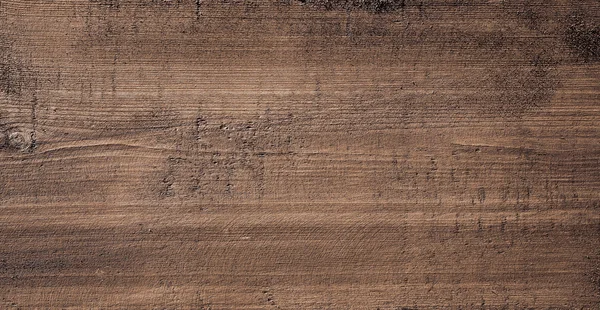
(312, 154)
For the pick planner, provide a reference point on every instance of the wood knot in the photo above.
(18, 140)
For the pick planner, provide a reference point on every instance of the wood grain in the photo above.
(312, 154)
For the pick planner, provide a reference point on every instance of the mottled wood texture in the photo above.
(316, 154)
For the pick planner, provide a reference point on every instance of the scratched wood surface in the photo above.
(312, 154)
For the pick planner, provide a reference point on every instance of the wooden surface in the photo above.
(316, 154)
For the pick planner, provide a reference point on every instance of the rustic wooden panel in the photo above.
(312, 154)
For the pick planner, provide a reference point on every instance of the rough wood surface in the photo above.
(312, 154)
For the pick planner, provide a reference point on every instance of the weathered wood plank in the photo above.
(299, 154)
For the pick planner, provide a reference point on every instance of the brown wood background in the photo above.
(316, 154)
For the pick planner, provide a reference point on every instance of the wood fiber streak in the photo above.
(310, 154)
